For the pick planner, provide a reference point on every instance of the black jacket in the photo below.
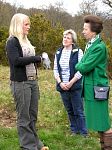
(16, 60)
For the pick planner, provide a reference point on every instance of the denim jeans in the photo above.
(74, 106)
(26, 96)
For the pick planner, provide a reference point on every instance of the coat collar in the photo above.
(98, 40)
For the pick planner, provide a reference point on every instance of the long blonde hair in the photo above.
(16, 28)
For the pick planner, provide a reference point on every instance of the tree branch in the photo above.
(108, 2)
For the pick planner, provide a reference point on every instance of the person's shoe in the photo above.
(73, 133)
(85, 135)
(44, 148)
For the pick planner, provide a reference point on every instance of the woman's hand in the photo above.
(45, 148)
(64, 86)
(69, 84)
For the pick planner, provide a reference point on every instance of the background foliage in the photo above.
(48, 24)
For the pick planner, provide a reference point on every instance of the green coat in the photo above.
(93, 68)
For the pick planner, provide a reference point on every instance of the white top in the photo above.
(30, 69)
(64, 64)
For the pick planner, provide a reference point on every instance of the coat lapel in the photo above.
(86, 53)
(94, 43)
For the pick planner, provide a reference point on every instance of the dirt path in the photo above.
(7, 118)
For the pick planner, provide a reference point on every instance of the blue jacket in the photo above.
(72, 62)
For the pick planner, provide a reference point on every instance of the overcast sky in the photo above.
(71, 6)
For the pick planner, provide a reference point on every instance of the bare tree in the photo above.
(1, 10)
(108, 2)
(57, 14)
(88, 7)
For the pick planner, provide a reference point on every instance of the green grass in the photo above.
(53, 126)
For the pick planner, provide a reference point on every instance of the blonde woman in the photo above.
(24, 87)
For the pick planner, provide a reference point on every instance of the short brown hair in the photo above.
(95, 22)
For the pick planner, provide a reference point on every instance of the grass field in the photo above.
(53, 126)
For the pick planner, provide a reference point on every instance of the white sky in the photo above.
(71, 6)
